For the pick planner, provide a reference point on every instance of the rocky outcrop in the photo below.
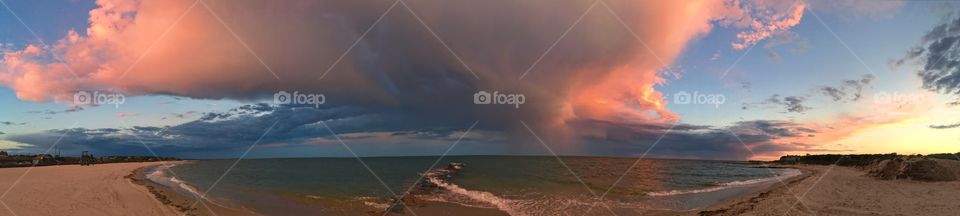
(425, 185)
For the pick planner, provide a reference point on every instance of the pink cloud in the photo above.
(762, 19)
(600, 70)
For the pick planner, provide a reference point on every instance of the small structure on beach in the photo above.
(87, 159)
(44, 159)
(789, 159)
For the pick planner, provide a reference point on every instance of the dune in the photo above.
(77, 190)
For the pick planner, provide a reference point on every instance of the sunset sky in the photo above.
(599, 77)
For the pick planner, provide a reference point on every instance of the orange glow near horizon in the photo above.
(903, 131)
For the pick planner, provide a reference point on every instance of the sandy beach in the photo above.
(104, 189)
(78, 190)
(847, 191)
(119, 189)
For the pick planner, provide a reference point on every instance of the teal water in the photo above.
(520, 185)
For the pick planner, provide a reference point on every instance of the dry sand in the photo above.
(847, 191)
(78, 190)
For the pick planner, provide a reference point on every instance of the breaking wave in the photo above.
(787, 173)
(487, 197)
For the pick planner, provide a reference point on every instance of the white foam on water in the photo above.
(786, 174)
(500, 203)
(160, 176)
(678, 192)
(376, 205)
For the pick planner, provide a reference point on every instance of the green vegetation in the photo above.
(887, 166)
(945, 156)
(838, 159)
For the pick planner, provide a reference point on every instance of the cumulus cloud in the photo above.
(129, 47)
(950, 126)
(763, 19)
(851, 90)
(8, 123)
(791, 104)
(599, 71)
(848, 90)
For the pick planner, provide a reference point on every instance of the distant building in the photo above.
(790, 159)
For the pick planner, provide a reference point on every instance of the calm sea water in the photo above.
(520, 185)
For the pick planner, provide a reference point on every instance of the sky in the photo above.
(729, 80)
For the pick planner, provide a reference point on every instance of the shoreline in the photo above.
(818, 190)
(180, 202)
(176, 200)
(746, 202)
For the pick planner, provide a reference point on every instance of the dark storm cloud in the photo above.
(219, 132)
(738, 141)
(939, 56)
(425, 59)
(415, 71)
(241, 127)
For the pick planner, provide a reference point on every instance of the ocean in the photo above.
(519, 185)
